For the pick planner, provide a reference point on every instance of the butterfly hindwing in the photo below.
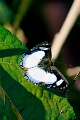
(38, 75)
(61, 83)
(53, 79)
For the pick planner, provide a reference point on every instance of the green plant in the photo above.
(20, 99)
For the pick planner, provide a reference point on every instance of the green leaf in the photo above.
(32, 102)
(7, 109)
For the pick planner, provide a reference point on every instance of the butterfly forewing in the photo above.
(35, 55)
(31, 60)
(42, 46)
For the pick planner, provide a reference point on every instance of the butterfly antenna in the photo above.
(62, 63)
(75, 78)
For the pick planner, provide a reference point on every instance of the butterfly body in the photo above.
(41, 70)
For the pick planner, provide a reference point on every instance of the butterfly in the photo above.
(40, 70)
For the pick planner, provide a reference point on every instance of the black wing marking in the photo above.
(64, 85)
(41, 46)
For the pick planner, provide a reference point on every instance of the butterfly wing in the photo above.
(36, 54)
(38, 75)
(53, 79)
(42, 46)
(32, 59)
(61, 83)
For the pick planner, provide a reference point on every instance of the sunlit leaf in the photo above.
(32, 102)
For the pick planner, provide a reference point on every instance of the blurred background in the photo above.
(35, 21)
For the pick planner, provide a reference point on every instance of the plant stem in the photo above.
(60, 38)
(22, 10)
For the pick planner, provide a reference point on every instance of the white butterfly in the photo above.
(41, 70)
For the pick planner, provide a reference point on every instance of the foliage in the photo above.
(6, 15)
(19, 98)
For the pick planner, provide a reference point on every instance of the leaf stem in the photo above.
(22, 11)
(60, 38)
